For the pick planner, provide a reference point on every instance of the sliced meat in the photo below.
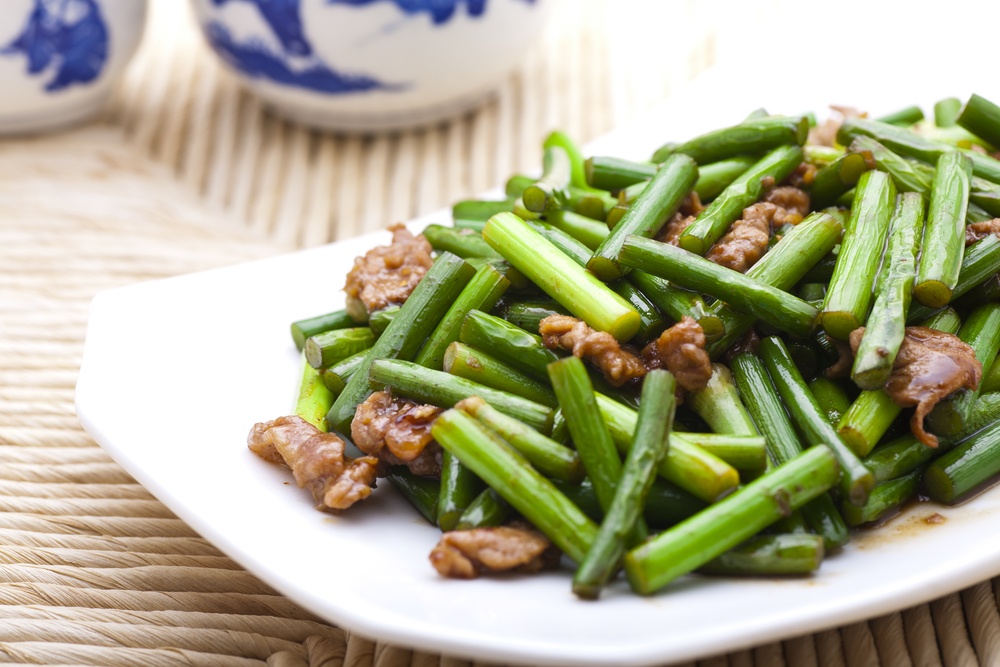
(672, 231)
(681, 220)
(398, 432)
(747, 344)
(691, 205)
(746, 240)
(681, 350)
(600, 348)
(793, 205)
(930, 366)
(803, 176)
(825, 134)
(465, 554)
(386, 275)
(841, 368)
(317, 460)
(980, 230)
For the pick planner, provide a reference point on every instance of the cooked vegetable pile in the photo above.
(717, 361)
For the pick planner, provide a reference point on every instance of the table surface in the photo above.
(94, 570)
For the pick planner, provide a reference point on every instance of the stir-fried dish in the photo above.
(721, 360)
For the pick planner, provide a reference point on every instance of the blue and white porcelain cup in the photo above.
(361, 65)
(59, 59)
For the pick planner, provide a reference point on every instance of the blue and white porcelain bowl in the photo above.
(59, 59)
(362, 65)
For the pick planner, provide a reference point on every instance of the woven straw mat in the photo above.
(93, 569)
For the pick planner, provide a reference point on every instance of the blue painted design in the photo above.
(256, 60)
(71, 33)
(440, 11)
(285, 22)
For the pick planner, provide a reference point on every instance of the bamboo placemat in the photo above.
(187, 172)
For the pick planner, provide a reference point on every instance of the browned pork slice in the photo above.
(598, 347)
(671, 231)
(398, 432)
(747, 344)
(681, 350)
(746, 240)
(681, 220)
(825, 134)
(930, 366)
(841, 368)
(317, 460)
(793, 205)
(803, 176)
(691, 205)
(386, 275)
(980, 230)
(465, 554)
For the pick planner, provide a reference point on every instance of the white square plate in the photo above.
(176, 371)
